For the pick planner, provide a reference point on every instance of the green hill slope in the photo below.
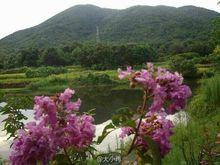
(137, 24)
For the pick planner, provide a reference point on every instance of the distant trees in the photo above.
(203, 48)
(107, 57)
(29, 57)
(216, 34)
(185, 64)
(97, 56)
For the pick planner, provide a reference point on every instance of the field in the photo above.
(18, 83)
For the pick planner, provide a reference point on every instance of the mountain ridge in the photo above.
(148, 24)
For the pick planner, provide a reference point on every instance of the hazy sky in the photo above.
(21, 14)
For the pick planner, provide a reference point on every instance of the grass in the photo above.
(12, 76)
(18, 83)
(200, 133)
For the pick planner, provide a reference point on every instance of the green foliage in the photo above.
(216, 31)
(102, 56)
(139, 24)
(44, 71)
(206, 103)
(195, 142)
(123, 116)
(13, 111)
(28, 57)
(94, 79)
(108, 129)
(53, 57)
(154, 148)
(215, 58)
(211, 91)
(184, 64)
(14, 70)
(3, 161)
(50, 81)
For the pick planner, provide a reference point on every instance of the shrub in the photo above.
(184, 66)
(208, 73)
(44, 71)
(93, 79)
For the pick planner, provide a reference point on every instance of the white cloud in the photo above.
(21, 14)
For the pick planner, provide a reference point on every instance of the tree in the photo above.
(185, 66)
(28, 57)
(53, 57)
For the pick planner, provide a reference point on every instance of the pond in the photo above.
(107, 101)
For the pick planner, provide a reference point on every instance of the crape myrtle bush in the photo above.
(60, 134)
(44, 71)
(59, 128)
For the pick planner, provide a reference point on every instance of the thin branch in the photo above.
(139, 123)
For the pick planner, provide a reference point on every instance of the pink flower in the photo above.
(156, 126)
(73, 105)
(123, 74)
(45, 108)
(59, 126)
(164, 87)
(32, 146)
(126, 131)
(66, 95)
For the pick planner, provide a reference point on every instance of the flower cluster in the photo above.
(155, 126)
(168, 95)
(166, 88)
(58, 126)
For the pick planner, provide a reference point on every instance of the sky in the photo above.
(20, 14)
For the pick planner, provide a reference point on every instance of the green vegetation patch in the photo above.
(44, 71)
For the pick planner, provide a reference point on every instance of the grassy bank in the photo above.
(18, 83)
(196, 141)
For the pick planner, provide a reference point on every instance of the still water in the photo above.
(107, 101)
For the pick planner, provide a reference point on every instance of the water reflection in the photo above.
(106, 101)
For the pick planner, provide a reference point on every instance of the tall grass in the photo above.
(211, 91)
(190, 141)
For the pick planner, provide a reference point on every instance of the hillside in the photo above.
(138, 24)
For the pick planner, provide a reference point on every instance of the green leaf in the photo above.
(105, 132)
(155, 150)
(145, 158)
(61, 159)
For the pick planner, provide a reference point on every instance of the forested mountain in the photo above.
(138, 24)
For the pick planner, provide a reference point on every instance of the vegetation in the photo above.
(185, 64)
(162, 26)
(197, 141)
(46, 59)
(44, 71)
(97, 57)
(94, 79)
